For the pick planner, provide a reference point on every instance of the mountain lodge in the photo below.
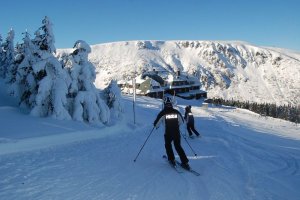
(155, 84)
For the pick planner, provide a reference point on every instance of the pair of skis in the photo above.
(179, 169)
(192, 137)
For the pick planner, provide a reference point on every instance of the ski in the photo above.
(192, 137)
(176, 168)
(190, 170)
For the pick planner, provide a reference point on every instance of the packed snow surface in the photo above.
(239, 156)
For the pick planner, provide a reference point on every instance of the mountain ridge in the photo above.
(227, 69)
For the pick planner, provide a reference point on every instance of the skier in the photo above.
(173, 119)
(189, 118)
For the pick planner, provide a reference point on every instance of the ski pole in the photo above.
(143, 144)
(189, 145)
(185, 132)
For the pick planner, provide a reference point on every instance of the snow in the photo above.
(226, 69)
(241, 155)
(80, 44)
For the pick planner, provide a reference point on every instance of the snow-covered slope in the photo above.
(240, 156)
(230, 69)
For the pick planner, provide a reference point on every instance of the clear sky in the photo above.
(260, 22)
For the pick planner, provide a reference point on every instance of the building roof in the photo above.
(154, 76)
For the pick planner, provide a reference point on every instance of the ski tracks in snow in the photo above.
(36, 143)
(237, 159)
(266, 165)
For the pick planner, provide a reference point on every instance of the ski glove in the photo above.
(155, 125)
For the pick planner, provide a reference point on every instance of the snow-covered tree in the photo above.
(1, 55)
(113, 97)
(45, 37)
(12, 70)
(87, 103)
(50, 97)
(22, 80)
(8, 54)
(11, 78)
(1, 51)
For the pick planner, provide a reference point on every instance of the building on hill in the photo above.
(184, 86)
(156, 84)
(145, 86)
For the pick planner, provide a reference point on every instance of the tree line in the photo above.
(286, 112)
(62, 88)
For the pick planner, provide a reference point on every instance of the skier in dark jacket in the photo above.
(173, 119)
(189, 118)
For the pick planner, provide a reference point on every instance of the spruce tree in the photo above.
(112, 95)
(50, 95)
(1, 51)
(23, 82)
(7, 54)
(86, 100)
(45, 37)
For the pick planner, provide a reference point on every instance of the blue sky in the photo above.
(261, 22)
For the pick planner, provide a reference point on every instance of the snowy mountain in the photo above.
(235, 70)
(240, 155)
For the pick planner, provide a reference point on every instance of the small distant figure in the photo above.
(190, 124)
(172, 119)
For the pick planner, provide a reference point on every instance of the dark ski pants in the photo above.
(168, 145)
(190, 127)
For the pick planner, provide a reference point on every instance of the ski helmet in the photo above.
(168, 102)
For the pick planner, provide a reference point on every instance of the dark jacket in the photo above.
(172, 118)
(188, 115)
